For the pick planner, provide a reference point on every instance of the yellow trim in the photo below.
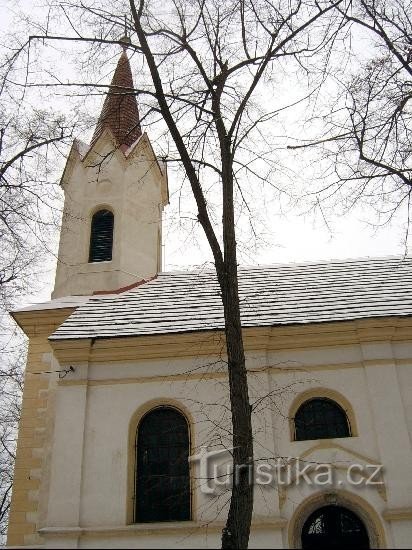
(213, 342)
(41, 322)
(397, 514)
(145, 379)
(23, 520)
(199, 375)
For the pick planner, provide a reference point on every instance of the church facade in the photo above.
(124, 438)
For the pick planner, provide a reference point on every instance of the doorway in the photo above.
(334, 527)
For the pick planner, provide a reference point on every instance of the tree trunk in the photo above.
(237, 529)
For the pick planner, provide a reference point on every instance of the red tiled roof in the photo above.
(120, 112)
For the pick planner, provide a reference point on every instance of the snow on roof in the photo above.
(57, 303)
(271, 295)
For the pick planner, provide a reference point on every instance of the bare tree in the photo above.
(366, 131)
(27, 194)
(11, 385)
(29, 141)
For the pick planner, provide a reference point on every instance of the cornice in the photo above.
(41, 322)
(189, 527)
(397, 514)
(205, 343)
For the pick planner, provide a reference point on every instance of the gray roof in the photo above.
(271, 295)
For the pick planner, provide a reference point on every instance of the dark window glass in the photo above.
(162, 460)
(334, 527)
(320, 419)
(101, 236)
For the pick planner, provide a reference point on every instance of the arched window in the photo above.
(101, 236)
(162, 467)
(320, 418)
(334, 527)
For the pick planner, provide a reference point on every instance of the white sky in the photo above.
(305, 238)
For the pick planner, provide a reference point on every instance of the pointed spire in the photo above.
(120, 112)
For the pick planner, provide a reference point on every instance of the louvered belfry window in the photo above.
(101, 236)
(162, 490)
(321, 418)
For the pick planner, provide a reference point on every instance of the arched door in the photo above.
(334, 527)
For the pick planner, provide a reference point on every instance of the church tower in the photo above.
(115, 190)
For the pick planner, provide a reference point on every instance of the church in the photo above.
(124, 438)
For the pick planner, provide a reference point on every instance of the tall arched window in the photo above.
(334, 527)
(321, 418)
(162, 490)
(101, 236)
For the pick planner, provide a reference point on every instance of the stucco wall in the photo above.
(87, 488)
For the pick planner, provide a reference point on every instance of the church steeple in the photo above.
(115, 191)
(120, 112)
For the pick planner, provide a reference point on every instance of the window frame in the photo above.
(338, 407)
(133, 455)
(94, 213)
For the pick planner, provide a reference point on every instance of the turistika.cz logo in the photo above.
(216, 473)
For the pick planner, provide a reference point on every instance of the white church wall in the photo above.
(404, 372)
(94, 490)
(400, 534)
(63, 503)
